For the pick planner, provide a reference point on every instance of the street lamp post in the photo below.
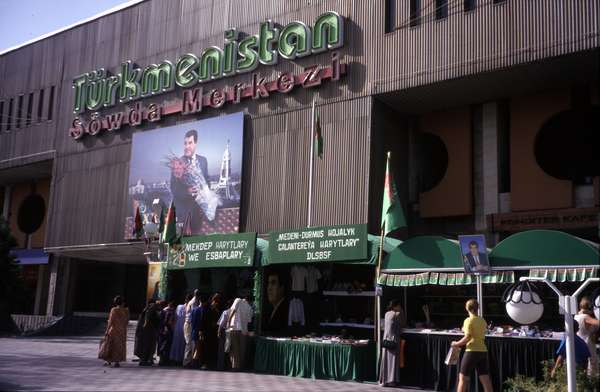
(567, 305)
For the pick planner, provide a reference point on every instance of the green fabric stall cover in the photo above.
(262, 252)
(544, 248)
(315, 360)
(443, 279)
(424, 253)
(564, 274)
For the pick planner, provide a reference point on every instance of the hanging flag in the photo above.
(169, 234)
(161, 222)
(138, 227)
(318, 136)
(392, 215)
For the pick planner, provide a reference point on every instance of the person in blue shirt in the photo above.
(582, 353)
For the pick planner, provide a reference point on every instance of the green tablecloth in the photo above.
(315, 360)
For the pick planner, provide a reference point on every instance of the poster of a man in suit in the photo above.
(474, 254)
(196, 165)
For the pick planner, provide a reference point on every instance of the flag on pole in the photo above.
(392, 215)
(318, 136)
(169, 234)
(138, 227)
(161, 221)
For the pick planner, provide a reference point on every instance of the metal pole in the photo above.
(570, 340)
(479, 295)
(312, 162)
(378, 298)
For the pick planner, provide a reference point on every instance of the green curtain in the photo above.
(315, 360)
(162, 285)
(443, 279)
(258, 276)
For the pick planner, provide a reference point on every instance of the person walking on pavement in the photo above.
(476, 356)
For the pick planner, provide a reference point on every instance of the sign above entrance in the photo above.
(318, 244)
(214, 251)
(99, 89)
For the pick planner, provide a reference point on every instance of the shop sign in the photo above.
(99, 89)
(572, 218)
(213, 251)
(317, 244)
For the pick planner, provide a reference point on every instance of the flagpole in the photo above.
(312, 163)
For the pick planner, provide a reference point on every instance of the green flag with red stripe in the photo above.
(169, 234)
(392, 214)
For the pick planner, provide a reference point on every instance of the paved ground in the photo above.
(70, 364)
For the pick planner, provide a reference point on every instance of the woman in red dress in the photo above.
(114, 347)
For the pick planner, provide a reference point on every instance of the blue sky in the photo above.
(24, 20)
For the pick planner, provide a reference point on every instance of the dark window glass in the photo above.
(19, 111)
(40, 107)
(390, 15)
(50, 103)
(9, 117)
(1, 115)
(469, 5)
(441, 9)
(415, 12)
(29, 109)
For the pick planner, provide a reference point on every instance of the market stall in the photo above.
(318, 302)
(428, 273)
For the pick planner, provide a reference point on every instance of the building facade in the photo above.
(490, 108)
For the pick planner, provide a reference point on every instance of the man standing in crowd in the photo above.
(187, 329)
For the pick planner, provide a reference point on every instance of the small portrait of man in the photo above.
(184, 194)
(277, 317)
(474, 254)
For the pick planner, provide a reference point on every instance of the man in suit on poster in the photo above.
(183, 194)
(475, 262)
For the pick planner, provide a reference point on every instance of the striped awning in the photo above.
(443, 279)
(564, 274)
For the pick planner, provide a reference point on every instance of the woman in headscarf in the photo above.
(178, 344)
(165, 334)
(389, 367)
(148, 325)
(114, 350)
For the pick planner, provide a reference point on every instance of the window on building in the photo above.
(503, 147)
(19, 111)
(9, 117)
(50, 103)
(415, 12)
(441, 9)
(390, 15)
(469, 5)
(1, 115)
(499, 1)
(40, 107)
(29, 109)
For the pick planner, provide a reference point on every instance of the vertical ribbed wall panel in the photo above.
(491, 37)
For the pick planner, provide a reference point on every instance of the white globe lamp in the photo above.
(597, 307)
(523, 304)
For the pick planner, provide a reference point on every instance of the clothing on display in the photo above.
(296, 312)
(299, 275)
(312, 280)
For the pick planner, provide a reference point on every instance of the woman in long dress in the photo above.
(178, 344)
(114, 348)
(389, 367)
(588, 328)
(165, 334)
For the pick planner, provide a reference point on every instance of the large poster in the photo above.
(198, 166)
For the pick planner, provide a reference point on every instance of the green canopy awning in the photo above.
(544, 249)
(424, 253)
